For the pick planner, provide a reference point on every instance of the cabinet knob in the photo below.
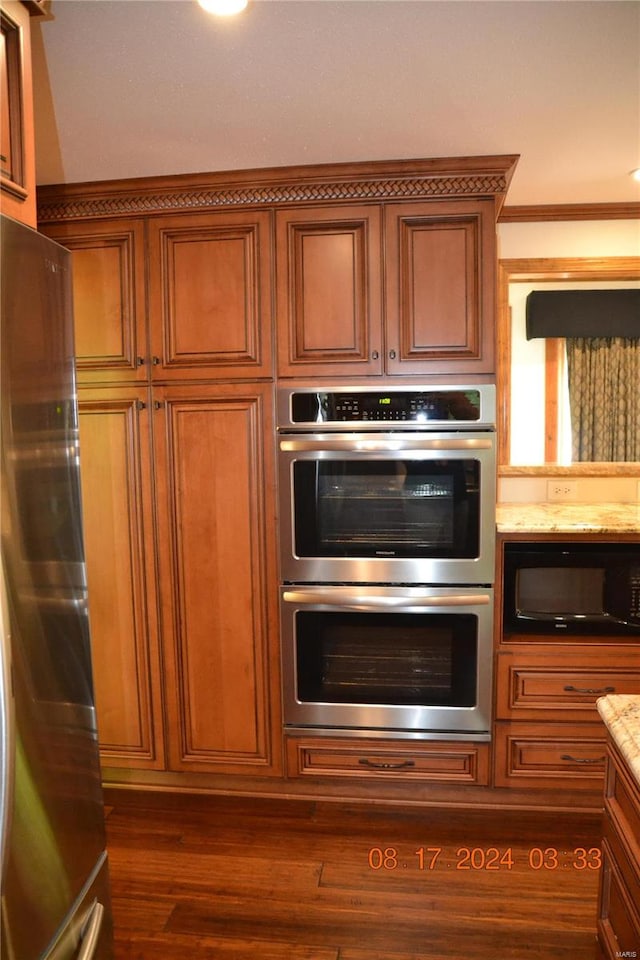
(158, 404)
(140, 361)
(392, 354)
(141, 405)
(155, 361)
(375, 355)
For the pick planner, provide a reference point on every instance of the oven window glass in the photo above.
(398, 508)
(396, 659)
(560, 591)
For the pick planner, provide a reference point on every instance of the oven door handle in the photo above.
(373, 445)
(355, 601)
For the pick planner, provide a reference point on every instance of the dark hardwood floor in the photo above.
(197, 877)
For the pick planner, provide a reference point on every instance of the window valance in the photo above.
(583, 313)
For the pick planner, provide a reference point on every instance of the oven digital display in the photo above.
(418, 407)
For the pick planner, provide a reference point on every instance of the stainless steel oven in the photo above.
(388, 661)
(387, 539)
(389, 486)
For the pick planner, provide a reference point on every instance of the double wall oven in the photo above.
(387, 520)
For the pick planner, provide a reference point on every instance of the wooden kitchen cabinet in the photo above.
(215, 482)
(560, 756)
(547, 733)
(388, 760)
(548, 682)
(210, 295)
(546, 695)
(115, 450)
(207, 571)
(439, 281)
(17, 139)
(435, 261)
(619, 897)
(329, 291)
(109, 298)
(184, 289)
(208, 302)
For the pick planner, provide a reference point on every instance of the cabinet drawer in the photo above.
(548, 755)
(622, 804)
(528, 688)
(388, 760)
(618, 921)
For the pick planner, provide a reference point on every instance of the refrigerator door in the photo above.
(54, 839)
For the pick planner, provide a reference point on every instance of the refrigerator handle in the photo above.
(91, 938)
(7, 751)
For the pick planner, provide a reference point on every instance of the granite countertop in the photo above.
(621, 714)
(568, 518)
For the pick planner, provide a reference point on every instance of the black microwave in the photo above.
(572, 588)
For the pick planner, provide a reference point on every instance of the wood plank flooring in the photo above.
(198, 877)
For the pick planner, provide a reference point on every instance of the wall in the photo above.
(569, 238)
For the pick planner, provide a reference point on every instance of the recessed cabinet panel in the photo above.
(210, 281)
(439, 272)
(213, 548)
(116, 490)
(564, 684)
(108, 298)
(440, 316)
(329, 291)
(554, 756)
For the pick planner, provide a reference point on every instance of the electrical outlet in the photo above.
(562, 489)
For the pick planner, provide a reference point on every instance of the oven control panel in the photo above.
(461, 405)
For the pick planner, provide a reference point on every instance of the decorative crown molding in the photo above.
(57, 204)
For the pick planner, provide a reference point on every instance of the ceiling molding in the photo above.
(570, 211)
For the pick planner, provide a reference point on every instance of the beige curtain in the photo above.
(604, 395)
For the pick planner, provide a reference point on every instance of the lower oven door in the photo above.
(402, 661)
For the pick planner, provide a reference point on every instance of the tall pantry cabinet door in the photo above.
(210, 295)
(218, 584)
(440, 287)
(108, 298)
(117, 508)
(329, 291)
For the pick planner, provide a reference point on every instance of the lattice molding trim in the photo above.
(207, 198)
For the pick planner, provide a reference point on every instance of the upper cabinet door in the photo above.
(17, 150)
(329, 291)
(108, 298)
(210, 295)
(440, 278)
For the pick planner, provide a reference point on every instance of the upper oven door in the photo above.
(388, 507)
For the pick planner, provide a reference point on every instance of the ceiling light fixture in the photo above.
(223, 8)
(636, 174)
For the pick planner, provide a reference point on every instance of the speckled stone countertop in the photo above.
(568, 518)
(621, 714)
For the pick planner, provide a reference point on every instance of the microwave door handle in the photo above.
(372, 445)
(355, 601)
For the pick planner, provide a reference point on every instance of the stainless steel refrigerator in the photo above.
(55, 895)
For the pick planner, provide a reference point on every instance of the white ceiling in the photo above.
(132, 88)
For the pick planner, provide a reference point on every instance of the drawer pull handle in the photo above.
(384, 765)
(567, 756)
(571, 689)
